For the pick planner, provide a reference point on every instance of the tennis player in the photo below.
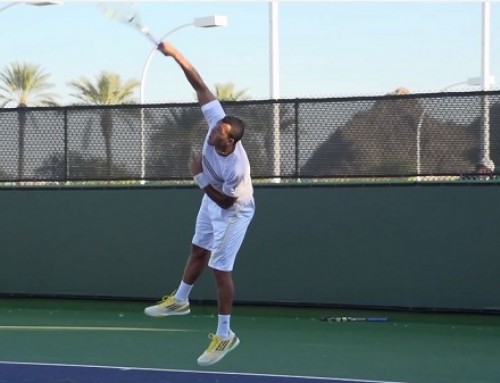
(227, 207)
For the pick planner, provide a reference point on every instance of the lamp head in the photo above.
(210, 21)
(41, 3)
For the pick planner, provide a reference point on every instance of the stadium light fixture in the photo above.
(34, 3)
(43, 3)
(210, 21)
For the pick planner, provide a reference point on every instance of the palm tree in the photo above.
(25, 85)
(176, 137)
(108, 89)
(259, 138)
(226, 92)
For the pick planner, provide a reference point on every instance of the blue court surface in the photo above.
(13, 372)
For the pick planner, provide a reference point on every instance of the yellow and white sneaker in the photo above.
(168, 306)
(218, 349)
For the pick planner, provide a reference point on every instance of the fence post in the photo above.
(66, 160)
(297, 145)
(276, 141)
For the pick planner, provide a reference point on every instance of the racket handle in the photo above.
(152, 39)
(377, 319)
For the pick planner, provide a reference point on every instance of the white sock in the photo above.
(183, 291)
(224, 326)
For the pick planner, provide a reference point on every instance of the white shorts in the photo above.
(221, 231)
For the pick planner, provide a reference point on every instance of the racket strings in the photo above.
(127, 14)
(119, 12)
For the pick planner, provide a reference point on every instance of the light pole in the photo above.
(199, 22)
(35, 3)
(484, 157)
(473, 81)
(421, 122)
(274, 85)
(485, 81)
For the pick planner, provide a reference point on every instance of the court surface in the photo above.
(33, 372)
(86, 341)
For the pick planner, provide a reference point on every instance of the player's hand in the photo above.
(166, 48)
(196, 165)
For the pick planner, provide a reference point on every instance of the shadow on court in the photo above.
(85, 341)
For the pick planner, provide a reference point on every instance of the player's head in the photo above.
(227, 132)
(237, 127)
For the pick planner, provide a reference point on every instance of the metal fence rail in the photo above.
(423, 135)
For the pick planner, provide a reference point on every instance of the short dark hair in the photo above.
(237, 127)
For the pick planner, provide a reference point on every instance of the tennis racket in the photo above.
(355, 319)
(127, 13)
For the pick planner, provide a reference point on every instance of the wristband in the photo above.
(201, 180)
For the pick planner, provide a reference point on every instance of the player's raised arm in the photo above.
(203, 93)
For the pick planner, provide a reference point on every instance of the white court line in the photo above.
(81, 328)
(197, 372)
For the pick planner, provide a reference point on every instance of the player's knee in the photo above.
(199, 252)
(223, 277)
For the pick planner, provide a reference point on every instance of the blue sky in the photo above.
(326, 49)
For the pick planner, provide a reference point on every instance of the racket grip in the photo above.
(377, 319)
(152, 39)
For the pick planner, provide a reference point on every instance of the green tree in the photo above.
(178, 134)
(108, 89)
(262, 125)
(227, 92)
(25, 85)
(83, 168)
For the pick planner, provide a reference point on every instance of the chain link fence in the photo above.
(445, 136)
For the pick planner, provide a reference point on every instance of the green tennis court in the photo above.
(410, 347)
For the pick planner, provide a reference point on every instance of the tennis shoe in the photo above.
(168, 306)
(218, 349)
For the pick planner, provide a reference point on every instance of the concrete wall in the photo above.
(432, 246)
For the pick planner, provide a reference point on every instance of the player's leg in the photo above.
(225, 293)
(196, 263)
(177, 303)
(229, 232)
(224, 340)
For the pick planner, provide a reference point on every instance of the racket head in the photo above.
(123, 12)
(126, 13)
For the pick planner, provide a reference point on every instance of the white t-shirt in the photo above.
(229, 175)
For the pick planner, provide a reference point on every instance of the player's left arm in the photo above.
(223, 200)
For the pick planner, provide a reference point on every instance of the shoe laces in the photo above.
(166, 298)
(214, 342)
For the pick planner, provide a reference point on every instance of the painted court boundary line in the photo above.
(312, 378)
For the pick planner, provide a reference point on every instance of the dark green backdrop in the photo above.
(411, 246)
